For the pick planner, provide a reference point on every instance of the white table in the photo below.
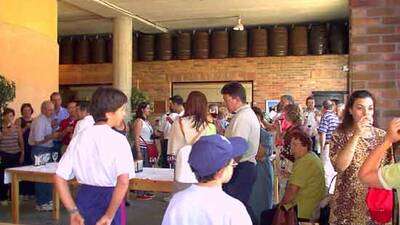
(151, 179)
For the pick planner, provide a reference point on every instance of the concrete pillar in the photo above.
(122, 56)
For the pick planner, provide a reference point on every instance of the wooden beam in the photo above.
(75, 74)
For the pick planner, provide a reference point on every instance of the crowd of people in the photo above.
(247, 165)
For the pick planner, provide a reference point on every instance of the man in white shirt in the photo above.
(244, 123)
(176, 110)
(212, 161)
(85, 119)
(41, 138)
(311, 117)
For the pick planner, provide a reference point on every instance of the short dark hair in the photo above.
(177, 99)
(327, 104)
(335, 101)
(72, 101)
(83, 105)
(235, 89)
(309, 98)
(139, 110)
(26, 105)
(8, 110)
(207, 178)
(304, 139)
(203, 179)
(104, 100)
(54, 94)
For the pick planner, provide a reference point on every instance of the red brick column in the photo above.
(375, 53)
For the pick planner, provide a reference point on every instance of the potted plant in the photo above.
(7, 93)
(137, 96)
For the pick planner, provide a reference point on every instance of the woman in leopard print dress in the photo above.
(350, 146)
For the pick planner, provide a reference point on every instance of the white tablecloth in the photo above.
(157, 174)
(48, 168)
(160, 174)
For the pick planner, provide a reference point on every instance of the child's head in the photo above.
(108, 104)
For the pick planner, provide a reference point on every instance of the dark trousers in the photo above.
(7, 161)
(146, 163)
(267, 216)
(93, 201)
(163, 162)
(241, 184)
(57, 148)
(314, 144)
(27, 187)
(43, 192)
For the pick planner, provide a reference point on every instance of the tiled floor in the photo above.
(139, 213)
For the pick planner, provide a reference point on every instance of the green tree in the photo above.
(137, 97)
(7, 92)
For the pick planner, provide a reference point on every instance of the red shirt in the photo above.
(64, 125)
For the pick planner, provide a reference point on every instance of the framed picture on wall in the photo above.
(269, 104)
(270, 108)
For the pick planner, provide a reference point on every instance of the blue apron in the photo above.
(93, 201)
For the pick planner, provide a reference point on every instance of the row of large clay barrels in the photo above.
(277, 41)
(85, 49)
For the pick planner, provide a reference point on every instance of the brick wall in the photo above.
(375, 53)
(271, 76)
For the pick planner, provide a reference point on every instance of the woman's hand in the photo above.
(393, 132)
(104, 220)
(363, 127)
(76, 219)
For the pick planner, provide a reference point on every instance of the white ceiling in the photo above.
(88, 16)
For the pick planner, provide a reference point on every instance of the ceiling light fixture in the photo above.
(239, 25)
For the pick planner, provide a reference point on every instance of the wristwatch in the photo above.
(73, 210)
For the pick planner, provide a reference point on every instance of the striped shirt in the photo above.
(9, 141)
(329, 123)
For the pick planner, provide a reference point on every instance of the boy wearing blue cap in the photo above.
(205, 203)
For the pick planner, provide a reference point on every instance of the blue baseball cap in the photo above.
(211, 153)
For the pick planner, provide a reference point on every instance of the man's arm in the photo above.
(368, 172)
(322, 130)
(322, 139)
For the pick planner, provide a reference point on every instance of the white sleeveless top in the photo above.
(146, 131)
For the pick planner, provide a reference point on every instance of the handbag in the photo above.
(152, 151)
(183, 172)
(285, 217)
(380, 204)
(322, 215)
